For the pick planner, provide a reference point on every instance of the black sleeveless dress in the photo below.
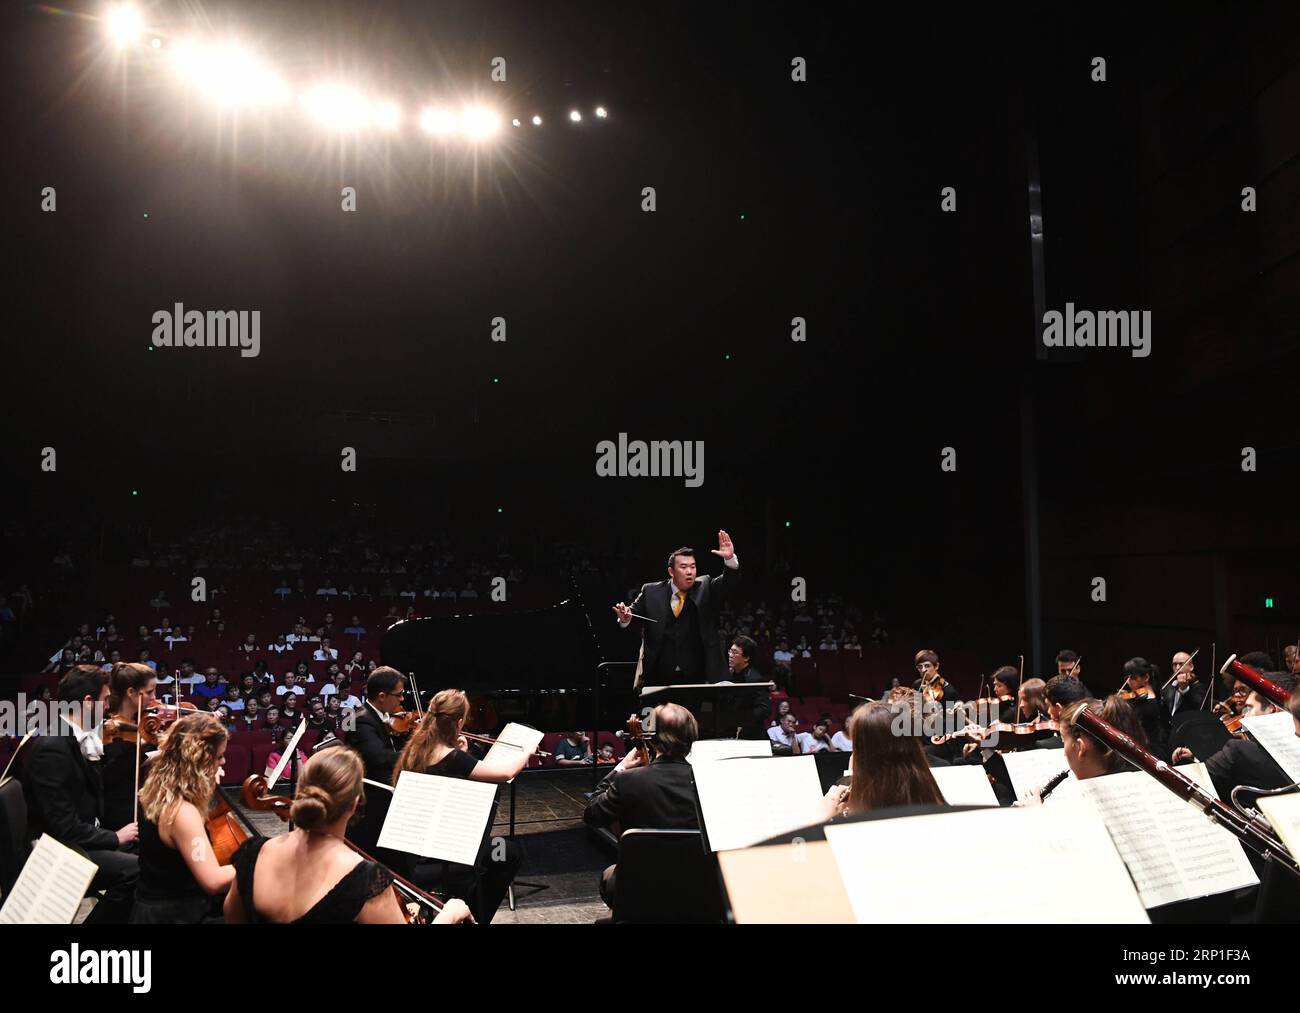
(166, 892)
(340, 906)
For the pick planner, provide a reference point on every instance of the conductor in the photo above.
(680, 642)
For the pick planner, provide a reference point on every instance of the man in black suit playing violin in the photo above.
(681, 643)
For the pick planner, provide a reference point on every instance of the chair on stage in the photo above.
(666, 876)
(14, 846)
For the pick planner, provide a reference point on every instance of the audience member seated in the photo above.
(574, 750)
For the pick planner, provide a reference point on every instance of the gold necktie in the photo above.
(677, 605)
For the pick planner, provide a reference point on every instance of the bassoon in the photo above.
(1259, 840)
(1257, 681)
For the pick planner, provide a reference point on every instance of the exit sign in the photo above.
(1268, 603)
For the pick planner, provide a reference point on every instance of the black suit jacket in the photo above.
(372, 739)
(1192, 699)
(708, 594)
(1244, 761)
(64, 795)
(658, 797)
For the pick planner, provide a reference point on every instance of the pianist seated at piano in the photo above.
(437, 747)
(660, 796)
(887, 769)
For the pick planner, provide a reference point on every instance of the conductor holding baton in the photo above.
(679, 620)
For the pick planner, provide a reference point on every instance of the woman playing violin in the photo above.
(437, 747)
(888, 769)
(1139, 676)
(131, 688)
(309, 876)
(179, 873)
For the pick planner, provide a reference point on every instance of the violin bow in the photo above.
(1070, 673)
(1209, 697)
(1022, 682)
(139, 731)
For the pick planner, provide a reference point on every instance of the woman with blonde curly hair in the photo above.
(179, 874)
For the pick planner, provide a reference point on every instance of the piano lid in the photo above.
(543, 649)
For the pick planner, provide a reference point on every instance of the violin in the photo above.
(166, 713)
(404, 721)
(224, 830)
(637, 738)
(1137, 694)
(933, 689)
(118, 729)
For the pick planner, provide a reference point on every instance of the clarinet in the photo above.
(1050, 786)
(1263, 843)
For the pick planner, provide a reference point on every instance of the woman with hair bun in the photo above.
(179, 874)
(309, 876)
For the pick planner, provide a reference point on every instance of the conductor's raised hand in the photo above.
(624, 612)
(725, 549)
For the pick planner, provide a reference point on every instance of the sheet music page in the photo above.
(438, 817)
(286, 753)
(705, 750)
(50, 888)
(1276, 733)
(1283, 811)
(747, 800)
(1033, 768)
(965, 785)
(1172, 850)
(520, 735)
(888, 867)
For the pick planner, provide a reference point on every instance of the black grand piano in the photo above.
(541, 667)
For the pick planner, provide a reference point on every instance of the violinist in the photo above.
(1245, 761)
(179, 873)
(1069, 663)
(1139, 691)
(661, 795)
(1006, 687)
(1291, 658)
(931, 685)
(131, 695)
(62, 784)
(1031, 701)
(1185, 693)
(436, 746)
(309, 876)
(369, 730)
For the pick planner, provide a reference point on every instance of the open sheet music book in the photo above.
(438, 817)
(704, 750)
(747, 800)
(1276, 733)
(51, 886)
(1067, 869)
(965, 784)
(527, 739)
(1172, 851)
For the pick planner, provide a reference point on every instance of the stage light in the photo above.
(336, 106)
(156, 43)
(387, 115)
(479, 122)
(123, 24)
(575, 116)
(537, 121)
(515, 122)
(600, 112)
(227, 74)
(438, 122)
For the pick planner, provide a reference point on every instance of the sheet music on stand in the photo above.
(964, 784)
(513, 735)
(1173, 852)
(438, 817)
(746, 800)
(887, 866)
(1276, 733)
(1283, 811)
(51, 886)
(707, 750)
(1032, 768)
